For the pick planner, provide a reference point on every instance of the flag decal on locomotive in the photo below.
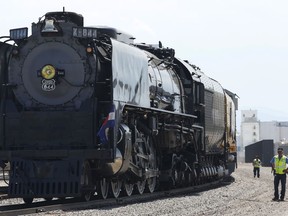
(108, 123)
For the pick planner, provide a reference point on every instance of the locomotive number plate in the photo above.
(48, 85)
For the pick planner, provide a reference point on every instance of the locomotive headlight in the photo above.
(89, 49)
(48, 72)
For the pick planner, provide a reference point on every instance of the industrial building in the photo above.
(253, 131)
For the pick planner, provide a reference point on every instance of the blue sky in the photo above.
(243, 44)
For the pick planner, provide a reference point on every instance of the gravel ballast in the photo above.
(247, 196)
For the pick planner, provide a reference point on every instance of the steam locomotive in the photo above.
(86, 111)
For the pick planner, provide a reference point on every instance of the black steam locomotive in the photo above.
(85, 110)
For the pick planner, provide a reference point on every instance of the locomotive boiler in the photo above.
(85, 110)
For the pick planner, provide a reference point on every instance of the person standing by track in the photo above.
(256, 166)
(279, 168)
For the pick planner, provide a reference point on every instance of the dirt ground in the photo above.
(246, 196)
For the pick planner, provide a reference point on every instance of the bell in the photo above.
(49, 26)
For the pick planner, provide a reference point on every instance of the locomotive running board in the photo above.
(135, 108)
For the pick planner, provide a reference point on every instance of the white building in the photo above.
(278, 131)
(253, 130)
(250, 128)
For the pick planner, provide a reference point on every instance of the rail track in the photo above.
(77, 204)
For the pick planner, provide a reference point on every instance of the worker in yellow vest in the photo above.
(279, 167)
(256, 166)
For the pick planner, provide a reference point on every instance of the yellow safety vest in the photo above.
(256, 163)
(280, 165)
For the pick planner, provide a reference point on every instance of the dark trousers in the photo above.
(277, 179)
(256, 171)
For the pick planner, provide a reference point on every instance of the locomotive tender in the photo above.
(85, 109)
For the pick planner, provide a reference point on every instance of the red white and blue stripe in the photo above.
(107, 124)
